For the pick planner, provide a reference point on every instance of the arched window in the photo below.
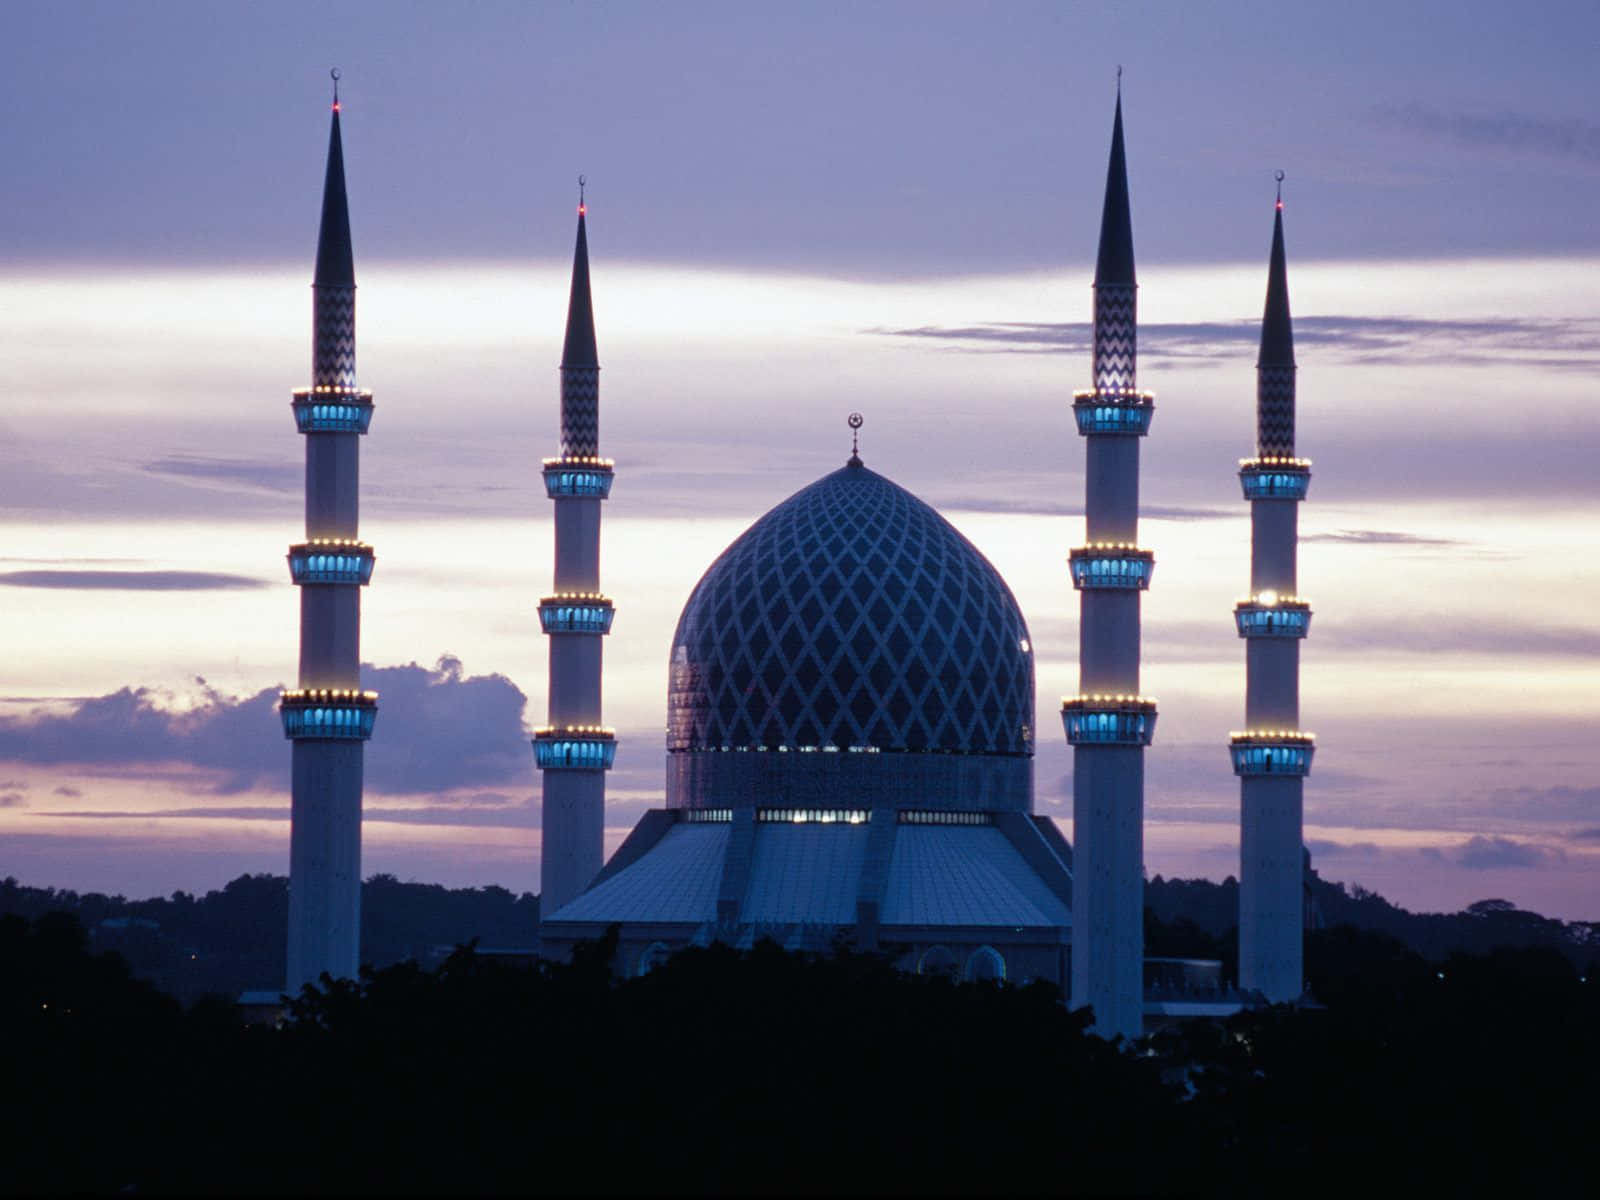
(936, 960)
(986, 963)
(652, 957)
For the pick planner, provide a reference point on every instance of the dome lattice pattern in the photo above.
(852, 616)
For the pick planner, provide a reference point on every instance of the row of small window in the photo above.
(984, 963)
(933, 816)
(813, 816)
(319, 417)
(1113, 418)
(707, 816)
(1109, 728)
(1271, 760)
(308, 566)
(574, 481)
(578, 754)
(338, 722)
(1112, 571)
(576, 618)
(1265, 484)
(1272, 622)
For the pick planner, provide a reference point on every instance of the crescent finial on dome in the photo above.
(855, 421)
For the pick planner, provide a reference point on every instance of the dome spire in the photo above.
(335, 260)
(855, 422)
(1115, 261)
(579, 350)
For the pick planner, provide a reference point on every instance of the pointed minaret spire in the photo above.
(580, 361)
(1109, 723)
(1275, 367)
(574, 751)
(336, 264)
(328, 716)
(1115, 262)
(1272, 754)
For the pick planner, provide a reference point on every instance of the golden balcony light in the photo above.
(1274, 460)
(320, 695)
(1273, 735)
(1107, 699)
(1278, 600)
(574, 731)
(580, 460)
(565, 597)
(1119, 547)
(359, 395)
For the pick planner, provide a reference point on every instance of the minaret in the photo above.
(572, 750)
(1272, 756)
(1109, 723)
(329, 718)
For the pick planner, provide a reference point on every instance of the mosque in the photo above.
(851, 698)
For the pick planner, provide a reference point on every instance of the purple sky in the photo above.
(794, 212)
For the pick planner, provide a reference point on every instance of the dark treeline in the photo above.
(232, 940)
(229, 941)
(726, 1071)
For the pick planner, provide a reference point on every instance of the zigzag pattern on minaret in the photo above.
(1275, 411)
(333, 361)
(580, 411)
(1116, 337)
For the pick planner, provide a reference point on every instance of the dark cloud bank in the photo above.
(437, 731)
(131, 581)
(1549, 342)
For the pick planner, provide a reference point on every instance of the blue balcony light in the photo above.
(574, 748)
(576, 612)
(1109, 720)
(1267, 614)
(577, 475)
(331, 560)
(1272, 752)
(332, 410)
(328, 715)
(1111, 565)
(1275, 478)
(1102, 410)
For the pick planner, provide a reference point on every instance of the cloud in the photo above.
(1324, 849)
(70, 793)
(230, 473)
(1495, 853)
(1405, 340)
(131, 581)
(1586, 835)
(1043, 506)
(13, 800)
(1564, 137)
(1379, 537)
(437, 731)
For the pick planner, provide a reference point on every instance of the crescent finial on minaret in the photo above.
(333, 73)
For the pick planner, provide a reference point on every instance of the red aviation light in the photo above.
(582, 208)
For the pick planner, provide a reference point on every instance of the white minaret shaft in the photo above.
(329, 717)
(572, 750)
(1109, 723)
(1271, 755)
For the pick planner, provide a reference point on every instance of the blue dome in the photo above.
(852, 617)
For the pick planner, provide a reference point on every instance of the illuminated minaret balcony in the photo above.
(328, 715)
(1274, 478)
(1269, 615)
(578, 475)
(574, 748)
(332, 409)
(576, 612)
(1111, 410)
(1272, 752)
(1111, 565)
(1109, 720)
(331, 560)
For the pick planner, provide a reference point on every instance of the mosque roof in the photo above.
(852, 617)
(811, 874)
